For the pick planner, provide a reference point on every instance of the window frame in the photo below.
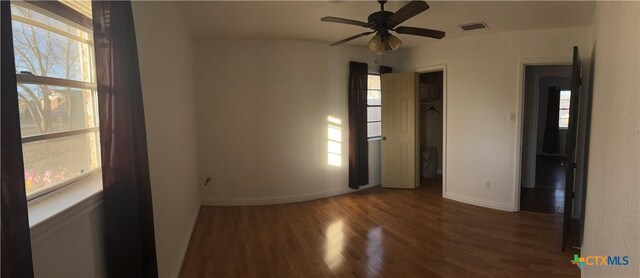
(564, 109)
(67, 15)
(373, 138)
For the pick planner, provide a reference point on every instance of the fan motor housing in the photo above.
(379, 18)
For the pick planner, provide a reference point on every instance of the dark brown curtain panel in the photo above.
(128, 211)
(551, 142)
(16, 240)
(358, 144)
(385, 69)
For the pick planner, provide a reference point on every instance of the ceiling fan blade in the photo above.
(408, 11)
(352, 38)
(420, 32)
(344, 21)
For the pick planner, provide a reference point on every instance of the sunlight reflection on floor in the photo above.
(334, 245)
(375, 251)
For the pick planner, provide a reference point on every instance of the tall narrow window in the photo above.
(374, 109)
(57, 95)
(565, 102)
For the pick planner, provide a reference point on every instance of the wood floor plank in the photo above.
(376, 233)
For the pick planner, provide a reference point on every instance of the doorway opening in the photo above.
(430, 133)
(547, 95)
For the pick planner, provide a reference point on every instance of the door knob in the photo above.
(384, 138)
(563, 163)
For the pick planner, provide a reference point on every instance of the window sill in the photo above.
(75, 197)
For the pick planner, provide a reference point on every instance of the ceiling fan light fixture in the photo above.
(375, 43)
(394, 42)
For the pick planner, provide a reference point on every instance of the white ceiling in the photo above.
(301, 19)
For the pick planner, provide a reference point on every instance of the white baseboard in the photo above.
(281, 200)
(476, 202)
(185, 243)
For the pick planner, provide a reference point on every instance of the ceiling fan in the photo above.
(382, 22)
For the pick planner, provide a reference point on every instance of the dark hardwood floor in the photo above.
(376, 233)
(549, 172)
(548, 194)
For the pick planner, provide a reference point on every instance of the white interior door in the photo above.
(399, 153)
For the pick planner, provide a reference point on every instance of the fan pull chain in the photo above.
(379, 60)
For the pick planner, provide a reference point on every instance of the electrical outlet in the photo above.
(487, 184)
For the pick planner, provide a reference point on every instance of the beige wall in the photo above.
(612, 226)
(166, 67)
(71, 243)
(262, 114)
(482, 90)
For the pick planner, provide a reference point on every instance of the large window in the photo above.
(57, 95)
(374, 110)
(565, 102)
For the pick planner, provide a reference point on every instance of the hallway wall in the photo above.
(613, 190)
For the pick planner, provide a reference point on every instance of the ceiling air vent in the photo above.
(473, 26)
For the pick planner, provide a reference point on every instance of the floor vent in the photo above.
(473, 26)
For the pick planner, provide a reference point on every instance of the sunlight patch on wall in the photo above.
(334, 142)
